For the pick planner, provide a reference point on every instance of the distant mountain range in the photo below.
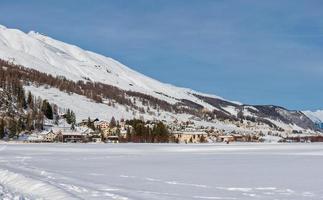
(101, 87)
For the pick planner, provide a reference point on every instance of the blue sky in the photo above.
(252, 51)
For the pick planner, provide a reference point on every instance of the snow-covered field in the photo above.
(169, 171)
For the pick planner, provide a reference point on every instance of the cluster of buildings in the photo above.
(112, 134)
(102, 132)
(62, 135)
(181, 132)
(188, 132)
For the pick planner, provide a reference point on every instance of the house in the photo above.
(225, 138)
(96, 138)
(112, 139)
(49, 137)
(303, 138)
(190, 136)
(124, 129)
(102, 125)
(111, 133)
(38, 137)
(239, 138)
(71, 136)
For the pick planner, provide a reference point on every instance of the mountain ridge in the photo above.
(45, 54)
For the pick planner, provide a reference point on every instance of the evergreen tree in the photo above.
(20, 125)
(56, 119)
(12, 128)
(39, 123)
(21, 100)
(72, 120)
(29, 121)
(47, 109)
(30, 100)
(128, 136)
(161, 132)
(113, 123)
(68, 116)
(2, 133)
(90, 124)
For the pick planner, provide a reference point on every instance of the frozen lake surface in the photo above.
(161, 171)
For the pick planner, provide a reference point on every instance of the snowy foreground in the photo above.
(147, 171)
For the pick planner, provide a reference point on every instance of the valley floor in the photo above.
(161, 171)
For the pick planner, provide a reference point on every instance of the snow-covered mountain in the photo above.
(45, 54)
(316, 116)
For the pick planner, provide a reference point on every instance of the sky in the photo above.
(252, 51)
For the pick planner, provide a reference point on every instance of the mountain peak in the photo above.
(35, 33)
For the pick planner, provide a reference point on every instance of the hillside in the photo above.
(99, 86)
(316, 116)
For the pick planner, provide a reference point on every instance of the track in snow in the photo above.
(147, 171)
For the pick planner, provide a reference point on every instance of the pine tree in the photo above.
(73, 120)
(56, 119)
(29, 122)
(20, 125)
(39, 123)
(68, 116)
(113, 123)
(30, 100)
(90, 124)
(47, 110)
(12, 128)
(21, 100)
(2, 132)
(161, 132)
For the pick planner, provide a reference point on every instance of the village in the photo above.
(139, 131)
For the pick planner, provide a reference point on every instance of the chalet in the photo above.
(49, 137)
(96, 138)
(72, 137)
(189, 136)
(111, 133)
(239, 138)
(102, 125)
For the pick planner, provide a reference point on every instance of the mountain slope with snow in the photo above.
(44, 54)
(316, 116)
(57, 58)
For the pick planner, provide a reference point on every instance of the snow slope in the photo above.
(161, 171)
(316, 116)
(48, 55)
(84, 108)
